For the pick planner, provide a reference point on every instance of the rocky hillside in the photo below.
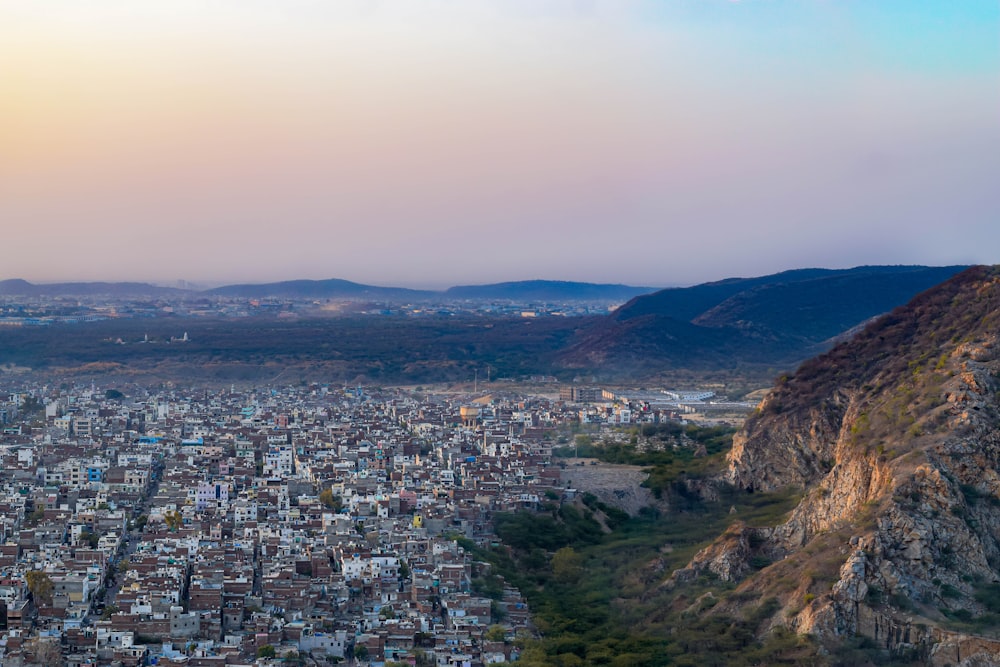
(894, 438)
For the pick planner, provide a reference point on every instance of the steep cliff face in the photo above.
(894, 438)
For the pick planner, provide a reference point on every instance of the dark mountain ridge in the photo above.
(686, 303)
(775, 320)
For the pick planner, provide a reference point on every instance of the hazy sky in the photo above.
(434, 142)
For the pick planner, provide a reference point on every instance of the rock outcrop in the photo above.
(728, 558)
(894, 436)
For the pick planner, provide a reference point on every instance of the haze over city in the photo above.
(233, 434)
(432, 143)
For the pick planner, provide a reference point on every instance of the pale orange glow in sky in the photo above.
(444, 142)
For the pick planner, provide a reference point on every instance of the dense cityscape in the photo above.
(312, 523)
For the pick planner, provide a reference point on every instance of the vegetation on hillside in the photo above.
(596, 578)
(673, 452)
(747, 323)
(903, 349)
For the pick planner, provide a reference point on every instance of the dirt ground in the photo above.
(616, 485)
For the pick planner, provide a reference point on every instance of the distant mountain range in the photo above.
(777, 319)
(748, 329)
(548, 290)
(17, 287)
(334, 288)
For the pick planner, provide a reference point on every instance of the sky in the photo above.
(437, 142)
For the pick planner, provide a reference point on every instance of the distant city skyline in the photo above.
(431, 143)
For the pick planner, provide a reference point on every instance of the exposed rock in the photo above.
(965, 652)
(895, 438)
(727, 557)
(851, 586)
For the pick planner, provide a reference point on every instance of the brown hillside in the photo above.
(895, 437)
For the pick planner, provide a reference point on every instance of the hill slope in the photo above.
(520, 291)
(770, 320)
(547, 290)
(894, 437)
(18, 287)
(320, 289)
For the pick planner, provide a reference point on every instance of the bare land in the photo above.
(616, 485)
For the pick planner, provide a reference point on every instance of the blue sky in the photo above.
(435, 142)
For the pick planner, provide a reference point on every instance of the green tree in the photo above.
(173, 520)
(31, 406)
(36, 516)
(567, 565)
(266, 651)
(533, 655)
(495, 633)
(329, 500)
(497, 612)
(113, 395)
(40, 585)
(360, 652)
